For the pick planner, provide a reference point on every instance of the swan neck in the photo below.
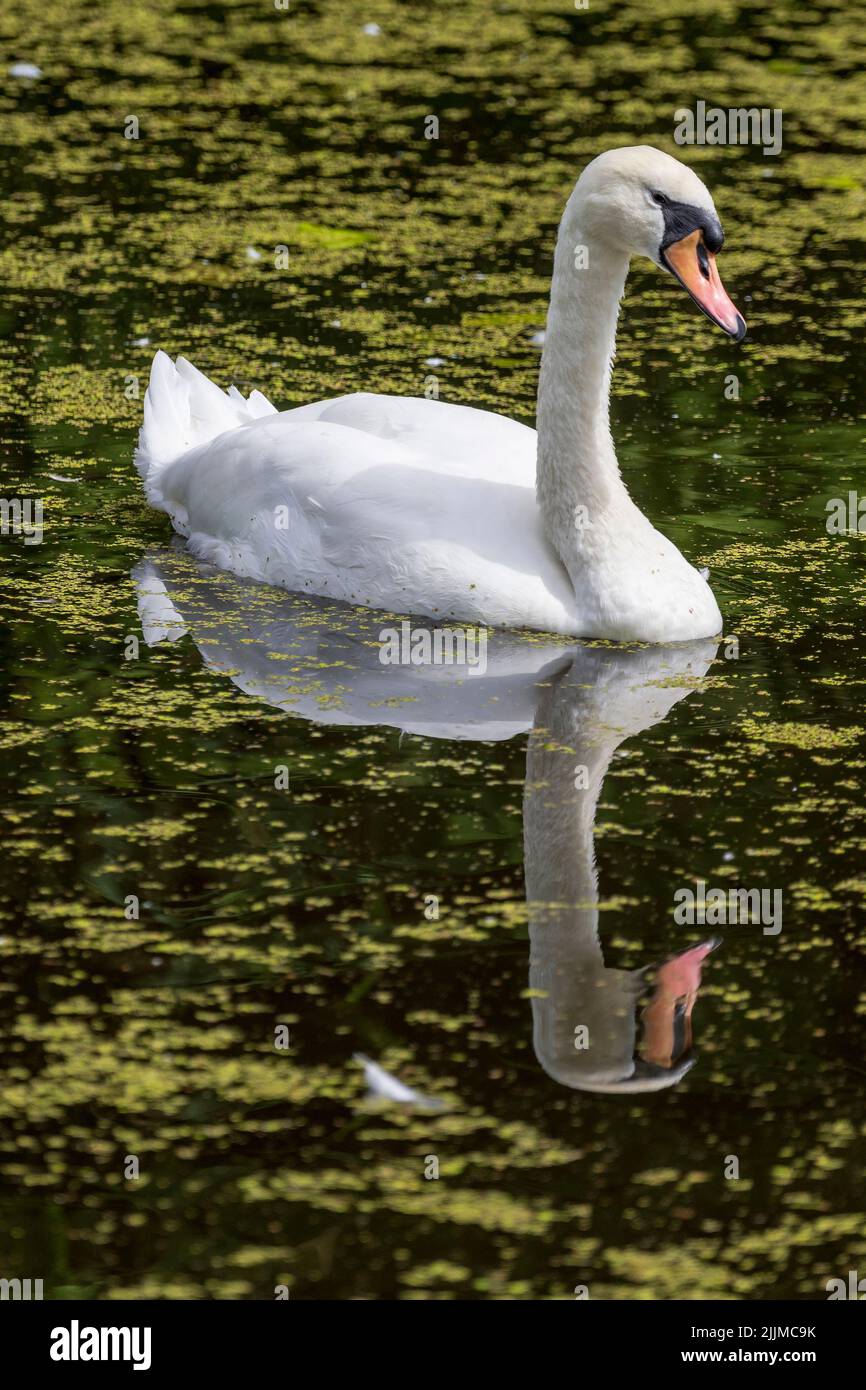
(578, 478)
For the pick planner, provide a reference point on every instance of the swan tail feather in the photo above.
(184, 409)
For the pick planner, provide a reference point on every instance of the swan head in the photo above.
(644, 202)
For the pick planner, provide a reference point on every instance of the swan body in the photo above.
(422, 507)
(395, 503)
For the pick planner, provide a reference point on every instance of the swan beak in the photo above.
(695, 268)
(667, 1019)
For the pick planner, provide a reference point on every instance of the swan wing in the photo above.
(391, 502)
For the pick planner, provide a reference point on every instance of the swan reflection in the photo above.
(596, 1027)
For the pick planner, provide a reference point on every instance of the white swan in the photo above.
(418, 506)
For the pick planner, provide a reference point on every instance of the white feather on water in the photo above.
(383, 1086)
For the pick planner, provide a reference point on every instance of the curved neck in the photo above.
(577, 475)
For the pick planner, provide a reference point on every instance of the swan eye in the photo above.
(659, 198)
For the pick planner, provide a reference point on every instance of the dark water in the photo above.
(153, 774)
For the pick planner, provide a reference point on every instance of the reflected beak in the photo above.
(695, 268)
(667, 1019)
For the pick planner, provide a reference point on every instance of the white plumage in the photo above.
(390, 502)
(383, 1086)
(422, 507)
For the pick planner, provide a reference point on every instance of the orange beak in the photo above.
(695, 268)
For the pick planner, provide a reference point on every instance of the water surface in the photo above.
(304, 905)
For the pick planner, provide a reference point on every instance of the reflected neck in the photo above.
(565, 769)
